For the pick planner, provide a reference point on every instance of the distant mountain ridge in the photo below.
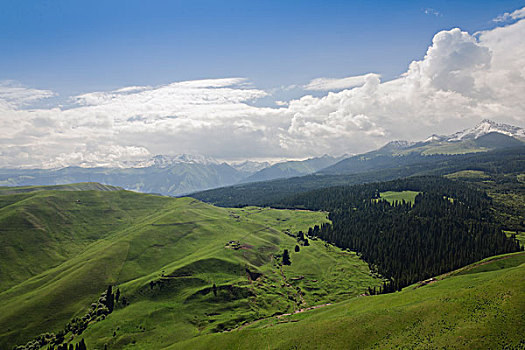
(250, 166)
(481, 129)
(293, 168)
(183, 174)
(485, 136)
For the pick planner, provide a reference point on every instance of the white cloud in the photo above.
(508, 16)
(329, 84)
(462, 79)
(431, 11)
(13, 95)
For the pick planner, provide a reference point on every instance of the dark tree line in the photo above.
(97, 312)
(449, 225)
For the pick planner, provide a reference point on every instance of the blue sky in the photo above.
(79, 46)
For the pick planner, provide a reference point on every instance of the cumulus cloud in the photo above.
(329, 84)
(462, 79)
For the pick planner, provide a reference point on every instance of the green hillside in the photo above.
(194, 276)
(474, 309)
(61, 249)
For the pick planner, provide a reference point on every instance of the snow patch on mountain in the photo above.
(164, 161)
(485, 127)
(249, 166)
(398, 144)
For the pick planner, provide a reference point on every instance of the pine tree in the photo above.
(286, 258)
(110, 299)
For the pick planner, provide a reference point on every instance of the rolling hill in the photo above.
(480, 307)
(61, 249)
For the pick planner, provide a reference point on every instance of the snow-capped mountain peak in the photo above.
(398, 144)
(434, 138)
(249, 166)
(163, 161)
(487, 126)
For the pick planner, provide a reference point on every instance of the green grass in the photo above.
(468, 175)
(83, 186)
(520, 236)
(62, 248)
(392, 196)
(482, 309)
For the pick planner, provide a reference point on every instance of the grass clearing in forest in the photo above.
(392, 196)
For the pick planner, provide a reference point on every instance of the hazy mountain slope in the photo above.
(168, 179)
(475, 309)
(164, 254)
(292, 168)
(249, 167)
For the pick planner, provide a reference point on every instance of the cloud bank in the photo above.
(462, 79)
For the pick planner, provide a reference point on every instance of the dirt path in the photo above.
(278, 316)
(288, 285)
(304, 309)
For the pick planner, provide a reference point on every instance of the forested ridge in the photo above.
(498, 164)
(449, 225)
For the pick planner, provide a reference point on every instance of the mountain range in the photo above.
(182, 174)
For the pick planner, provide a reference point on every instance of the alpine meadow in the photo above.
(262, 175)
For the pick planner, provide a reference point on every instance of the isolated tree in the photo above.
(286, 258)
(117, 295)
(110, 299)
(297, 249)
(214, 288)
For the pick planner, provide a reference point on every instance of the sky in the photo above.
(102, 83)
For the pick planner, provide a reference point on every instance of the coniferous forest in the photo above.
(449, 225)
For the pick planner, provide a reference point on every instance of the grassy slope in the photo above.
(99, 238)
(392, 196)
(83, 186)
(41, 229)
(481, 307)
